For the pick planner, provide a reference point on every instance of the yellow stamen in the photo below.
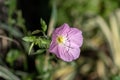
(60, 39)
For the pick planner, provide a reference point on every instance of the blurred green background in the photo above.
(98, 19)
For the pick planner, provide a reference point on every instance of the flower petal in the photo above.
(63, 29)
(54, 49)
(75, 37)
(75, 52)
(64, 55)
(68, 54)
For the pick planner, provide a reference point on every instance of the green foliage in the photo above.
(36, 32)
(112, 34)
(40, 41)
(70, 11)
(53, 18)
(44, 26)
(97, 59)
(14, 32)
(12, 56)
(12, 6)
(43, 67)
(11, 10)
(20, 20)
(29, 39)
(116, 77)
(6, 74)
(40, 51)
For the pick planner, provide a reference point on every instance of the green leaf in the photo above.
(42, 42)
(39, 51)
(6, 74)
(44, 26)
(12, 56)
(29, 39)
(36, 32)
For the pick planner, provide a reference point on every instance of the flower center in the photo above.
(60, 39)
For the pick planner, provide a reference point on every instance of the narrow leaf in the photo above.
(6, 74)
(36, 32)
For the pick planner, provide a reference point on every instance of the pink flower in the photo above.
(66, 43)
